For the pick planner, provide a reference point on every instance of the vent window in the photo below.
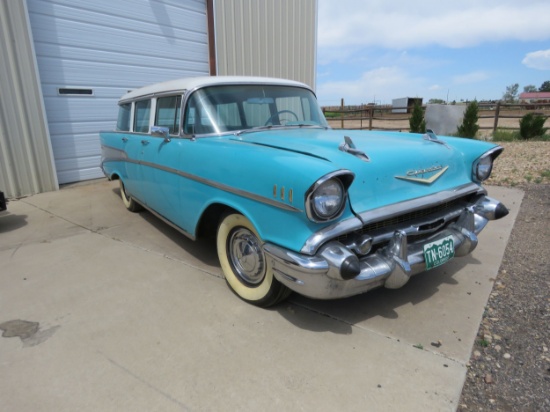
(75, 91)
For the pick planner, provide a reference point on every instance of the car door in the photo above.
(160, 158)
(133, 145)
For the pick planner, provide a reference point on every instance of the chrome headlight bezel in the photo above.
(483, 166)
(332, 188)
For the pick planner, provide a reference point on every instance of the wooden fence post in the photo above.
(342, 113)
(371, 115)
(497, 113)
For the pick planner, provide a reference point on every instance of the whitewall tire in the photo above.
(244, 263)
(128, 201)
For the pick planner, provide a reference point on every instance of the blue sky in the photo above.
(377, 50)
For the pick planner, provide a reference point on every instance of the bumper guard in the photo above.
(321, 276)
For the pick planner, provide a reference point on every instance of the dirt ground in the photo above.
(509, 368)
(522, 163)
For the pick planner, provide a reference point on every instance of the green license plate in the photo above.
(439, 252)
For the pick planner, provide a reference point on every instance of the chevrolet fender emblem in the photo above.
(411, 176)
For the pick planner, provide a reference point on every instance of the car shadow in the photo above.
(203, 249)
(10, 221)
(320, 315)
(379, 302)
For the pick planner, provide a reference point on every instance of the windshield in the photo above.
(220, 109)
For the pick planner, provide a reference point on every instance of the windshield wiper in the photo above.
(277, 126)
(258, 129)
(304, 125)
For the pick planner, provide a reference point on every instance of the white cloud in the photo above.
(405, 48)
(538, 60)
(400, 24)
(473, 77)
(379, 85)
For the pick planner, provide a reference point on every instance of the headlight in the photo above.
(484, 165)
(484, 168)
(326, 199)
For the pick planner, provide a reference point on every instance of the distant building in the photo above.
(405, 104)
(534, 97)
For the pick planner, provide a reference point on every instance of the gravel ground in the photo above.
(522, 163)
(509, 368)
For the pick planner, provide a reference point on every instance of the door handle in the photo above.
(145, 142)
(124, 139)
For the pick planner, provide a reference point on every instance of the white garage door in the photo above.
(90, 53)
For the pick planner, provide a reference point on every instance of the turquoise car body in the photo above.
(230, 169)
(266, 173)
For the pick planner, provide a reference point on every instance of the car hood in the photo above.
(395, 160)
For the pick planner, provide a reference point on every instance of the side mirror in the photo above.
(161, 132)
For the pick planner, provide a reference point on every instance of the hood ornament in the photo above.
(349, 147)
(412, 175)
(430, 136)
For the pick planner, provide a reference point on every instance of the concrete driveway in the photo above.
(113, 311)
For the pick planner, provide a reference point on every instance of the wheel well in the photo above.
(210, 219)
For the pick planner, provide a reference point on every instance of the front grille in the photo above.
(401, 220)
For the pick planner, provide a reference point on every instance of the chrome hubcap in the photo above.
(246, 255)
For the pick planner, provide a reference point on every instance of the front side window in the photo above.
(221, 109)
(123, 121)
(141, 117)
(168, 113)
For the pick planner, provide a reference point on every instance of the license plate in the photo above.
(439, 252)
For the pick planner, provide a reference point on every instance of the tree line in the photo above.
(511, 93)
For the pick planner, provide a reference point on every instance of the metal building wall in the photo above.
(274, 38)
(90, 53)
(26, 162)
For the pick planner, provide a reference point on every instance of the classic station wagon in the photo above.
(294, 205)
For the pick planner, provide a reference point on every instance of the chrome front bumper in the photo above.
(325, 275)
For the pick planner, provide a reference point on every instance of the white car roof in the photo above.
(191, 83)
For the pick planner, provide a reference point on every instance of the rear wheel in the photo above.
(128, 201)
(245, 266)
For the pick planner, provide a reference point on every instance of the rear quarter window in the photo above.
(123, 121)
(168, 113)
(141, 117)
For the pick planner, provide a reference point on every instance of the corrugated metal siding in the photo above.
(275, 38)
(26, 165)
(109, 47)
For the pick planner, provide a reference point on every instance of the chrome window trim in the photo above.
(154, 121)
(153, 95)
(151, 108)
(187, 94)
(315, 241)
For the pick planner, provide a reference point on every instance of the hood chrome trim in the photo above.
(427, 181)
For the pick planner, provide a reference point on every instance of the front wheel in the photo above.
(245, 266)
